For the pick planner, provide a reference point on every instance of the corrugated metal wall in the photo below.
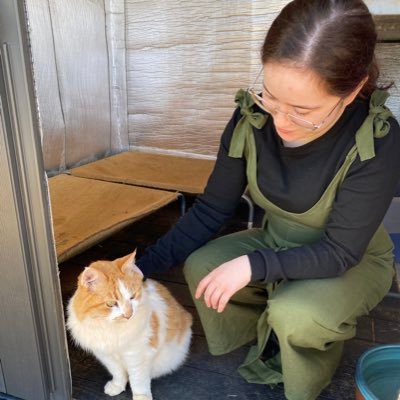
(388, 57)
(78, 52)
(185, 61)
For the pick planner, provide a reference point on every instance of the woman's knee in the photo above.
(302, 325)
(284, 317)
(195, 267)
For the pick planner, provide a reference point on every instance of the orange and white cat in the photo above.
(135, 328)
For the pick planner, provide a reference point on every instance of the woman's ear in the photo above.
(350, 98)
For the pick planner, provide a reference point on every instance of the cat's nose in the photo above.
(127, 314)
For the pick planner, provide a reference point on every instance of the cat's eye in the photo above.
(133, 297)
(111, 303)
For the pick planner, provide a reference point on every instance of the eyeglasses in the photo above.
(270, 107)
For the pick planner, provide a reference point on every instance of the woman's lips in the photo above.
(284, 131)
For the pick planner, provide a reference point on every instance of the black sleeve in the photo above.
(219, 201)
(358, 210)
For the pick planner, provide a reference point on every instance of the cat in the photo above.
(135, 328)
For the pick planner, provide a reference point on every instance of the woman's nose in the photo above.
(281, 118)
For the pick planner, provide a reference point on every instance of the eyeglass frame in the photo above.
(260, 102)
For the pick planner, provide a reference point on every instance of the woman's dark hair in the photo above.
(334, 38)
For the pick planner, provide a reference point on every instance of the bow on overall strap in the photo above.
(244, 127)
(376, 125)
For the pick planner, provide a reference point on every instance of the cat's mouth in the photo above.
(124, 318)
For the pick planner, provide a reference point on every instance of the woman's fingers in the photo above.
(223, 301)
(215, 297)
(210, 289)
(201, 287)
(220, 284)
(209, 292)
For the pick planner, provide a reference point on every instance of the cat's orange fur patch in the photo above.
(155, 324)
(178, 319)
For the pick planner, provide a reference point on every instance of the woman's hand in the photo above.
(223, 282)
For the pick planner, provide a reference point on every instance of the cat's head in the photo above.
(109, 289)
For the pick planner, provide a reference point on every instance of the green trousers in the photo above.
(311, 318)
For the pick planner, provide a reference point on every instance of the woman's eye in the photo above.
(111, 303)
(302, 113)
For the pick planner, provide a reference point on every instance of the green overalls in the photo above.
(312, 317)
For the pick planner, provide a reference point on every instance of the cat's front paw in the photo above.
(112, 388)
(142, 397)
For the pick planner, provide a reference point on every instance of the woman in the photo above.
(318, 150)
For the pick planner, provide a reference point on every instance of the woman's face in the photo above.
(300, 93)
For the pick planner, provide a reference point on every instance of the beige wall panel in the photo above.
(82, 63)
(115, 31)
(388, 55)
(46, 81)
(185, 62)
(383, 6)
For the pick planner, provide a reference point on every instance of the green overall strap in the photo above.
(245, 124)
(376, 125)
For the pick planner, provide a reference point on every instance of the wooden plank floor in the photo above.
(205, 377)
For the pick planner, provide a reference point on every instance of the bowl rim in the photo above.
(359, 378)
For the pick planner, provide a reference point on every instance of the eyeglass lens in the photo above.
(272, 109)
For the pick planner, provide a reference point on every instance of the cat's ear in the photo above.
(121, 261)
(91, 278)
(129, 266)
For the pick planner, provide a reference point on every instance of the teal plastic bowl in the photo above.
(378, 373)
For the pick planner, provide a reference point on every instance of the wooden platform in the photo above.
(160, 171)
(86, 211)
(204, 377)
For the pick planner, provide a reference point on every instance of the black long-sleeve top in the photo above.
(294, 179)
